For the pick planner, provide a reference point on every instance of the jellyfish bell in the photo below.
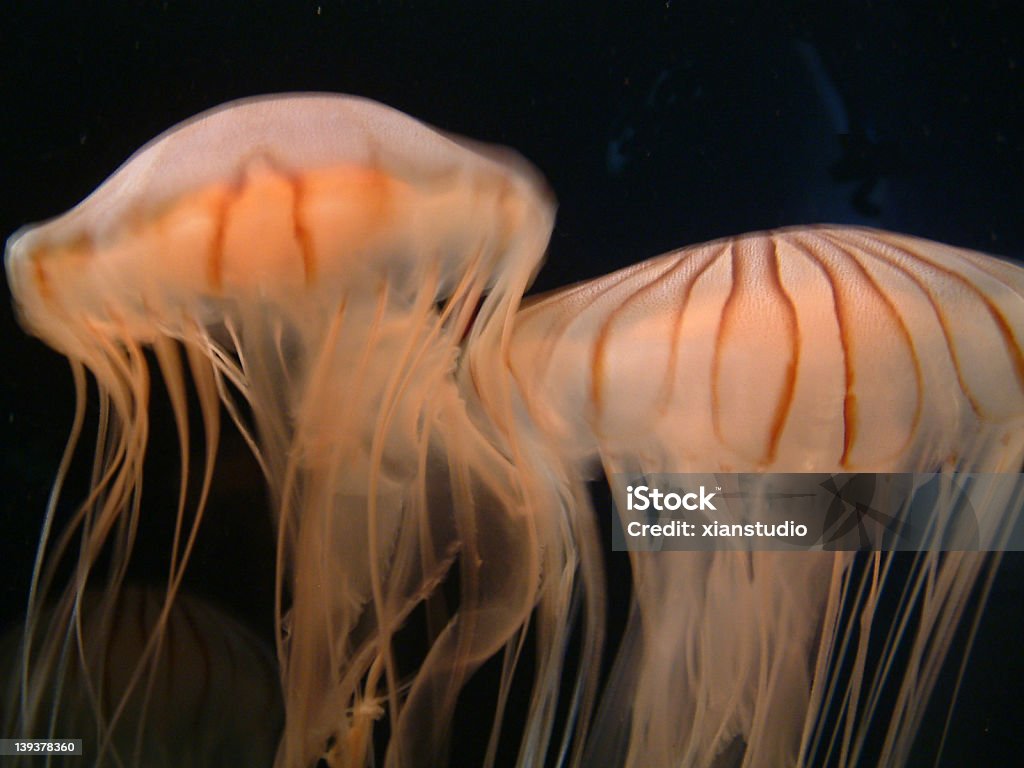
(274, 198)
(335, 265)
(871, 352)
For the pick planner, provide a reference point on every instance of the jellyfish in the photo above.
(346, 284)
(802, 350)
(209, 668)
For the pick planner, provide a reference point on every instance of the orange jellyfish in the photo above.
(807, 350)
(345, 283)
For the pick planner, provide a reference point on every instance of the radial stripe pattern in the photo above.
(776, 347)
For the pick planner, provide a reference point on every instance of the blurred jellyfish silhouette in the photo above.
(346, 284)
(196, 667)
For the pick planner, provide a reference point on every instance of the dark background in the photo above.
(657, 124)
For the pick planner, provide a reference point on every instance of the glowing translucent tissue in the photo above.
(346, 284)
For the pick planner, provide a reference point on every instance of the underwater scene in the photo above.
(593, 384)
